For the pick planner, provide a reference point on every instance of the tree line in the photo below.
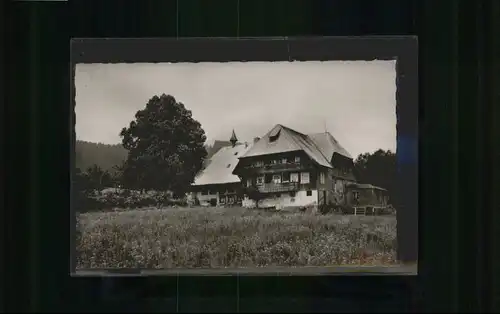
(163, 148)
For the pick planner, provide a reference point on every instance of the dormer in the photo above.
(274, 135)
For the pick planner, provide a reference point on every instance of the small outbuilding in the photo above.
(366, 198)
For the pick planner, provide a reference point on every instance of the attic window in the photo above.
(229, 165)
(274, 135)
(235, 153)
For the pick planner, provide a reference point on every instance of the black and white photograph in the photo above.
(235, 165)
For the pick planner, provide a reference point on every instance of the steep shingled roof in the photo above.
(329, 145)
(320, 147)
(221, 166)
(287, 140)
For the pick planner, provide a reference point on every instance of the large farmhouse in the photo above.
(294, 169)
(288, 168)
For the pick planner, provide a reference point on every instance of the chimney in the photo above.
(256, 139)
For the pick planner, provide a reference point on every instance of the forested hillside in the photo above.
(104, 155)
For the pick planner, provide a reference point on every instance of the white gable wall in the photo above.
(285, 200)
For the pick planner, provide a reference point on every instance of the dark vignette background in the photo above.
(224, 50)
(455, 103)
(402, 49)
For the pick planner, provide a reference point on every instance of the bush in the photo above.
(124, 199)
(346, 210)
(328, 209)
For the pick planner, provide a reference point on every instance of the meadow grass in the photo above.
(231, 237)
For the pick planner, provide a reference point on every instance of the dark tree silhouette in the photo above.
(81, 182)
(378, 168)
(254, 194)
(165, 146)
(81, 187)
(97, 178)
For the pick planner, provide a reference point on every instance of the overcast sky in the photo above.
(356, 100)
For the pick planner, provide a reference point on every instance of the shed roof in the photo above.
(365, 186)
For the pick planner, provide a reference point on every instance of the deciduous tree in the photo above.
(378, 168)
(165, 146)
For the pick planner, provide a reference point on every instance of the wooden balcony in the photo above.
(279, 187)
(271, 168)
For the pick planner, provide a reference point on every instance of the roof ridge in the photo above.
(330, 136)
(319, 150)
(295, 131)
(313, 143)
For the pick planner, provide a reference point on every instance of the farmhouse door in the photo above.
(322, 197)
(213, 202)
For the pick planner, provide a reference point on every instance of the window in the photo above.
(274, 162)
(284, 160)
(274, 135)
(304, 177)
(235, 153)
(309, 193)
(276, 178)
(322, 178)
(294, 177)
(268, 178)
(297, 159)
(292, 194)
(249, 183)
(338, 186)
(208, 192)
(355, 195)
(204, 192)
(260, 180)
(286, 177)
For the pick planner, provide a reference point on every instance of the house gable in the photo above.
(281, 139)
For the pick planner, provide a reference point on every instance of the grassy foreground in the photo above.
(231, 237)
